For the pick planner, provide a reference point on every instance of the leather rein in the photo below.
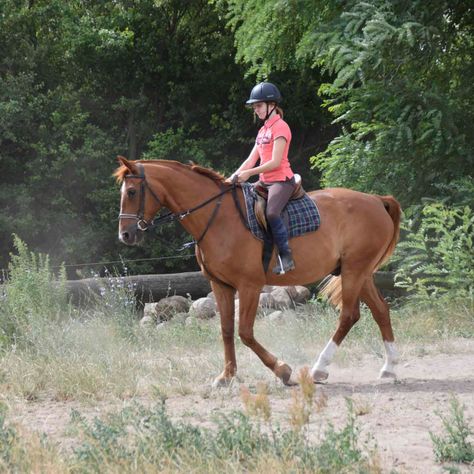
(143, 225)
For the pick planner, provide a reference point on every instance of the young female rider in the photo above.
(271, 147)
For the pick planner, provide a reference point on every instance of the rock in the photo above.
(180, 318)
(211, 295)
(166, 308)
(282, 298)
(303, 294)
(161, 326)
(292, 292)
(266, 303)
(268, 288)
(147, 321)
(190, 320)
(203, 308)
(149, 311)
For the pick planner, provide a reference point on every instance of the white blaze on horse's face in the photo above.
(128, 231)
(122, 188)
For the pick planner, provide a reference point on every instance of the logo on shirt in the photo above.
(265, 138)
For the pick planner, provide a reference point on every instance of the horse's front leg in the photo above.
(248, 303)
(225, 303)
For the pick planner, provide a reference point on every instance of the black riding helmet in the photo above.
(264, 92)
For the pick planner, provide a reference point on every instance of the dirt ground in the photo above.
(399, 415)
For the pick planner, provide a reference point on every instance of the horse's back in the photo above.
(354, 217)
(347, 202)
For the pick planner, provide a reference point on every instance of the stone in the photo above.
(282, 298)
(303, 294)
(149, 311)
(203, 308)
(166, 308)
(147, 321)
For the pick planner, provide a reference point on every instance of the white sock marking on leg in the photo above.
(325, 357)
(391, 357)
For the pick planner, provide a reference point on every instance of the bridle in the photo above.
(143, 225)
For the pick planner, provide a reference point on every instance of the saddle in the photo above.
(262, 196)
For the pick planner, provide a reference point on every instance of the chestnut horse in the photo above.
(358, 233)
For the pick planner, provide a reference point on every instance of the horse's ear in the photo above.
(128, 164)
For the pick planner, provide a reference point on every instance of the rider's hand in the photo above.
(244, 175)
(230, 179)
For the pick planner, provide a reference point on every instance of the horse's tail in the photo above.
(331, 288)
(392, 206)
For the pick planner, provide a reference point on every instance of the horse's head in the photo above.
(139, 203)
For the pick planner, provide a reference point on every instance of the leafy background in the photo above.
(378, 94)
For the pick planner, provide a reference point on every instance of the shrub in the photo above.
(31, 295)
(454, 446)
(435, 258)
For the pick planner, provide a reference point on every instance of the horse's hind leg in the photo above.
(248, 303)
(225, 303)
(349, 315)
(371, 296)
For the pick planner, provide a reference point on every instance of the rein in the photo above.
(143, 225)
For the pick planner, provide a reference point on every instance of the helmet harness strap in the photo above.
(269, 113)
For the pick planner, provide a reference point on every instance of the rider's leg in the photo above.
(278, 196)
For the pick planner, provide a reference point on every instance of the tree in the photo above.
(400, 84)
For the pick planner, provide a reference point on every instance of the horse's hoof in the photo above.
(290, 381)
(283, 372)
(222, 382)
(319, 375)
(385, 374)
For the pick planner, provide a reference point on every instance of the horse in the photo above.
(358, 233)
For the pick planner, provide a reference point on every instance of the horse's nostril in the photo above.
(125, 236)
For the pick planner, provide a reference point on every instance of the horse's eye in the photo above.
(131, 193)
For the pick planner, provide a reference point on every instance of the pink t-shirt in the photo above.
(272, 129)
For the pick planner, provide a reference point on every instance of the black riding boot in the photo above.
(280, 237)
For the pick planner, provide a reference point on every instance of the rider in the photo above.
(271, 147)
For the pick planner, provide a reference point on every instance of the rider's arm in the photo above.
(277, 155)
(248, 163)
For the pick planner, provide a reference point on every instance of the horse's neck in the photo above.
(185, 189)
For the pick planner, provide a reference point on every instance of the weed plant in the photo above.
(454, 445)
(31, 297)
(140, 439)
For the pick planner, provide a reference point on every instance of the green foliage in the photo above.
(31, 295)
(435, 257)
(82, 82)
(398, 84)
(8, 440)
(147, 437)
(454, 445)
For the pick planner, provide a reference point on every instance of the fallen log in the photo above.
(150, 288)
(146, 288)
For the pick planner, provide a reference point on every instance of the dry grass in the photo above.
(97, 357)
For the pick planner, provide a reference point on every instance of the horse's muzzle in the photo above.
(131, 236)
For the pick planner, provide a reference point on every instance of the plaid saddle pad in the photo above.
(302, 214)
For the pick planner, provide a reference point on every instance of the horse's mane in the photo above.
(122, 170)
(210, 173)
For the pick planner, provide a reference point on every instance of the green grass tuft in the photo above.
(454, 445)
